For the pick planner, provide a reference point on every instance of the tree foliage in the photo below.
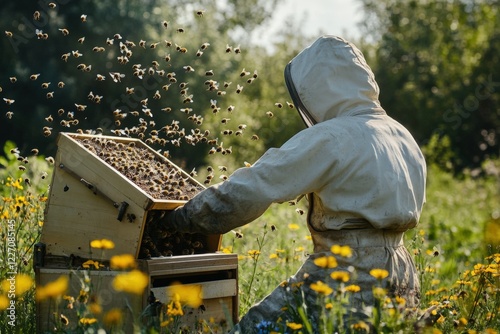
(437, 65)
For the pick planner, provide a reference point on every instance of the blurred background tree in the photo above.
(436, 64)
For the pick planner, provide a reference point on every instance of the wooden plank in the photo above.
(185, 264)
(77, 216)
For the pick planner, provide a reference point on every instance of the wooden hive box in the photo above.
(111, 188)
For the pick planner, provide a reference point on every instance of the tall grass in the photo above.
(455, 247)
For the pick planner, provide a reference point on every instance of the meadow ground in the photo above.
(455, 247)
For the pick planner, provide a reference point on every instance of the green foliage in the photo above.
(435, 64)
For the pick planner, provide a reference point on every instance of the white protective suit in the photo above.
(363, 173)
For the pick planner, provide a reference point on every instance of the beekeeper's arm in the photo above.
(299, 167)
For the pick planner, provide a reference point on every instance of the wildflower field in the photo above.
(455, 247)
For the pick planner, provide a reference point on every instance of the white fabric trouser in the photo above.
(371, 249)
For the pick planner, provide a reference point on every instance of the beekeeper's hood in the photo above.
(331, 78)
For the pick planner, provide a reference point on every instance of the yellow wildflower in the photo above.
(294, 326)
(379, 292)
(344, 251)
(321, 288)
(123, 261)
(353, 288)
(293, 227)
(379, 274)
(326, 262)
(174, 308)
(273, 256)
(87, 264)
(113, 318)
(53, 289)
(361, 326)
(88, 321)
(22, 283)
(328, 306)
(102, 244)
(133, 282)
(189, 294)
(342, 276)
(4, 302)
(253, 253)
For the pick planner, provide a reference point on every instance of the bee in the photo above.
(239, 89)
(142, 43)
(165, 24)
(39, 34)
(80, 107)
(269, 114)
(52, 5)
(243, 73)
(157, 95)
(180, 30)
(44, 175)
(255, 137)
(65, 56)
(130, 44)
(153, 45)
(100, 77)
(116, 76)
(188, 68)
(8, 33)
(98, 49)
(204, 46)
(290, 105)
(60, 112)
(122, 60)
(227, 132)
(299, 211)
(34, 151)
(223, 177)
(64, 31)
(118, 122)
(200, 13)
(199, 53)
(209, 73)
(9, 101)
(76, 54)
(9, 114)
(50, 95)
(36, 16)
(227, 84)
(167, 57)
(255, 75)
(34, 76)
(279, 105)
(237, 50)
(229, 49)
(161, 73)
(13, 79)
(83, 18)
(45, 85)
(81, 67)
(109, 41)
(250, 80)
(117, 36)
(168, 43)
(144, 102)
(47, 133)
(49, 118)
(155, 64)
(223, 168)
(188, 99)
(50, 160)
(60, 84)
(81, 40)
(247, 164)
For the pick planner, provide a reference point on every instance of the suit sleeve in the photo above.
(299, 167)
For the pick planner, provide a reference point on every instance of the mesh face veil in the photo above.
(303, 112)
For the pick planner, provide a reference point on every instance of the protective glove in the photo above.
(175, 221)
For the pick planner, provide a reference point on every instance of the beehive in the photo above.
(116, 188)
(108, 187)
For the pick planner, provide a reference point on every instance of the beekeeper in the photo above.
(363, 174)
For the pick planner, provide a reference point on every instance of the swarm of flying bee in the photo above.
(123, 65)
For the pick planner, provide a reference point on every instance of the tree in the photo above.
(436, 64)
